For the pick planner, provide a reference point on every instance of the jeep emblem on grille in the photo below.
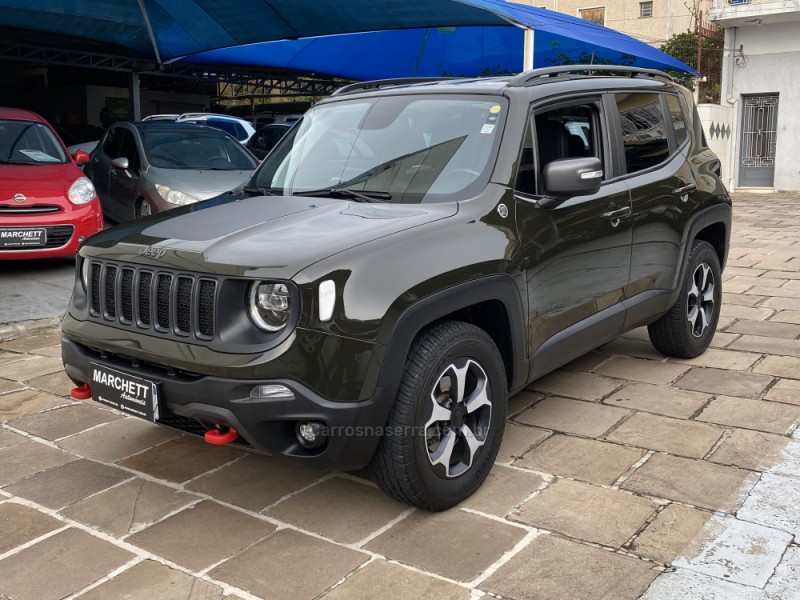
(153, 252)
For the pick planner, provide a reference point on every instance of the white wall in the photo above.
(152, 101)
(771, 65)
(718, 126)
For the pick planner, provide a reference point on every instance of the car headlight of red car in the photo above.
(81, 192)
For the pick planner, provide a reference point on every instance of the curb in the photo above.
(11, 331)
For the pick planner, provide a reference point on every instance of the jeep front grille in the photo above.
(156, 300)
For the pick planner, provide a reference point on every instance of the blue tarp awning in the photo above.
(452, 51)
(171, 29)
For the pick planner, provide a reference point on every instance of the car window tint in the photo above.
(563, 132)
(196, 149)
(29, 143)
(644, 130)
(127, 148)
(226, 126)
(111, 143)
(678, 119)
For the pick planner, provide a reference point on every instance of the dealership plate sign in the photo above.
(29, 237)
(127, 393)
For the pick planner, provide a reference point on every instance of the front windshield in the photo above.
(405, 149)
(196, 149)
(29, 143)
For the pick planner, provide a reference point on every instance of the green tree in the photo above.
(683, 46)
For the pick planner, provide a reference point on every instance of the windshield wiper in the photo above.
(347, 193)
(4, 161)
(259, 191)
(361, 196)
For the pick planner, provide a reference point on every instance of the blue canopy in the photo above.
(443, 30)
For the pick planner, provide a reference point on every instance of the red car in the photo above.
(47, 205)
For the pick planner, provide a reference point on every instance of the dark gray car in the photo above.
(147, 167)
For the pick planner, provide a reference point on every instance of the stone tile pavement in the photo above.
(622, 475)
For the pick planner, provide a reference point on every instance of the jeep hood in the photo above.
(279, 234)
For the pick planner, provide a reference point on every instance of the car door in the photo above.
(123, 184)
(662, 188)
(576, 251)
(100, 165)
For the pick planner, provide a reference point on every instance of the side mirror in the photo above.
(120, 162)
(573, 176)
(81, 157)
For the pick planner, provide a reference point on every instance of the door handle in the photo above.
(685, 189)
(615, 216)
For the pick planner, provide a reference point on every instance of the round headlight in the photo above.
(270, 305)
(81, 191)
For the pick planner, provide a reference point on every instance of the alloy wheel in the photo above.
(461, 412)
(700, 301)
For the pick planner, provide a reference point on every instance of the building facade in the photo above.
(651, 21)
(761, 91)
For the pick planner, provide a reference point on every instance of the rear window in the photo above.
(678, 119)
(644, 130)
(29, 143)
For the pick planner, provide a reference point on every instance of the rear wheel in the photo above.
(688, 328)
(447, 422)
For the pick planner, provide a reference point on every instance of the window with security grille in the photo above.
(645, 9)
(595, 15)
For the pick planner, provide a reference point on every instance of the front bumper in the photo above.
(196, 403)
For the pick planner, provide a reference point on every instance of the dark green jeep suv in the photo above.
(411, 253)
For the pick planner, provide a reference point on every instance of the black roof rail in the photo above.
(530, 77)
(379, 83)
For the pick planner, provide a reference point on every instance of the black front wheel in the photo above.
(447, 423)
(688, 328)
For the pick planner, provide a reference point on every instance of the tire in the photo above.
(434, 463)
(688, 328)
(143, 208)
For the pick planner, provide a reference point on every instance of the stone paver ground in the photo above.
(622, 474)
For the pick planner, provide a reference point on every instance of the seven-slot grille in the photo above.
(153, 299)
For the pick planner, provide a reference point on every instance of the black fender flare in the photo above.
(719, 213)
(417, 316)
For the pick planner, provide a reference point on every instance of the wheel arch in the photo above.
(492, 303)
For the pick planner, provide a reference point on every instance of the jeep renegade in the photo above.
(409, 255)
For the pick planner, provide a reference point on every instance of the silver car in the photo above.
(146, 167)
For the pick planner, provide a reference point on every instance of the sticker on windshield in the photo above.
(495, 109)
(487, 128)
(39, 156)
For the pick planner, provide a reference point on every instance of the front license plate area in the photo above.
(127, 393)
(28, 237)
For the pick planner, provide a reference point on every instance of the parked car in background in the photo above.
(239, 128)
(266, 137)
(151, 166)
(74, 134)
(164, 117)
(87, 147)
(47, 205)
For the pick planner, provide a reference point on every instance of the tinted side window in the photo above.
(678, 118)
(111, 143)
(227, 126)
(563, 132)
(127, 148)
(644, 130)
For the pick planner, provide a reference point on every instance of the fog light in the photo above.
(310, 434)
(272, 392)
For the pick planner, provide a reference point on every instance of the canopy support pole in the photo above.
(149, 30)
(527, 61)
(135, 94)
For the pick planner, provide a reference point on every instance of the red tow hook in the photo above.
(219, 438)
(82, 392)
